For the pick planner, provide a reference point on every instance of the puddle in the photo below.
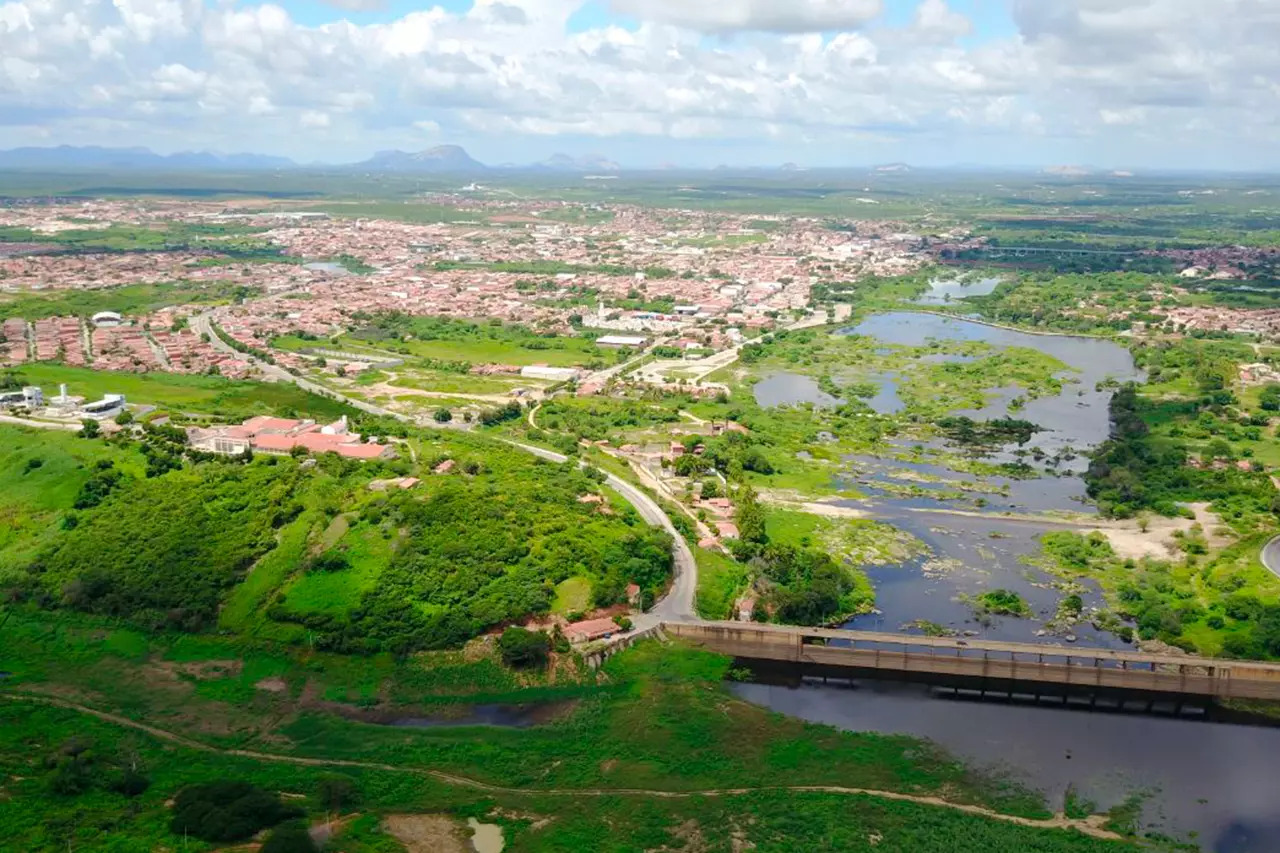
(486, 837)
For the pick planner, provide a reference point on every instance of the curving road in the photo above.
(676, 606)
(1271, 556)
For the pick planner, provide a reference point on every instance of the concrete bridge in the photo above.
(1002, 665)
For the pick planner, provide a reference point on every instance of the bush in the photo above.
(335, 792)
(443, 416)
(227, 811)
(522, 649)
(330, 561)
(290, 837)
(623, 623)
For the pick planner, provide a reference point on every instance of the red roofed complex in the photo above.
(280, 435)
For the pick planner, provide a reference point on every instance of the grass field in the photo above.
(205, 395)
(563, 351)
(40, 473)
(663, 722)
(573, 594)
(133, 299)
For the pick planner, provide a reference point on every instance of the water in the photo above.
(981, 550)
(943, 291)
(1076, 418)
(970, 555)
(1214, 779)
(503, 716)
(329, 267)
(792, 389)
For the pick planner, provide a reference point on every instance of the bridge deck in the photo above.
(1013, 662)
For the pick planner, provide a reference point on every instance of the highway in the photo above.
(676, 606)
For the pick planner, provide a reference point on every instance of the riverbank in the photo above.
(1008, 328)
(662, 745)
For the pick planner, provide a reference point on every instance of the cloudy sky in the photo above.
(1119, 83)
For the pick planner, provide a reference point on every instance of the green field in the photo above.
(199, 395)
(131, 300)
(663, 724)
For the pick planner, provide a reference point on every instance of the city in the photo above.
(639, 426)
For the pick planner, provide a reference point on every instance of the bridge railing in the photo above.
(1006, 662)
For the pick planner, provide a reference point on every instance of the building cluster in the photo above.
(1261, 322)
(64, 406)
(130, 347)
(704, 279)
(283, 436)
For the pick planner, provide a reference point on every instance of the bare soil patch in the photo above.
(424, 833)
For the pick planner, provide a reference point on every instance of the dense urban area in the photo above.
(373, 521)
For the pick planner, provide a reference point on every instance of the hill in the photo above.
(98, 157)
(442, 158)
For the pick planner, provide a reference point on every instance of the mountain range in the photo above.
(97, 157)
(441, 159)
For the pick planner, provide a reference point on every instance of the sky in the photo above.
(1133, 84)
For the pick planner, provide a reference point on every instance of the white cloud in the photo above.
(313, 119)
(188, 74)
(784, 16)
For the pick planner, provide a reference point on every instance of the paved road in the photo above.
(676, 606)
(1271, 556)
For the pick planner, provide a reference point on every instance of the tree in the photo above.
(523, 649)
(124, 418)
(443, 416)
(291, 837)
(90, 428)
(336, 791)
(227, 811)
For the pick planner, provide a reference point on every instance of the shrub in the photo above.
(336, 792)
(521, 648)
(330, 561)
(443, 416)
(227, 811)
(291, 837)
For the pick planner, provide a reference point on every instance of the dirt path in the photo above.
(1092, 826)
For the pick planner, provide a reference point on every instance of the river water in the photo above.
(1208, 782)
(1211, 783)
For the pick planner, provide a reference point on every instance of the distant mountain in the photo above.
(791, 167)
(442, 158)
(97, 157)
(1067, 171)
(893, 167)
(589, 163)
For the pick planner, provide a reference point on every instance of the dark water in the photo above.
(1216, 780)
(503, 716)
(969, 556)
(1078, 417)
(981, 550)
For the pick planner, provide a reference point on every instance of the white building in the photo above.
(554, 374)
(621, 341)
(108, 407)
(31, 397)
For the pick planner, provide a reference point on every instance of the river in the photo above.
(1208, 782)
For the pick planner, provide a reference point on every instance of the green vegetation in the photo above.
(443, 339)
(236, 241)
(1000, 602)
(162, 538)
(133, 299)
(1225, 604)
(667, 724)
(213, 396)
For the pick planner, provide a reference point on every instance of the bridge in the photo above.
(997, 663)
